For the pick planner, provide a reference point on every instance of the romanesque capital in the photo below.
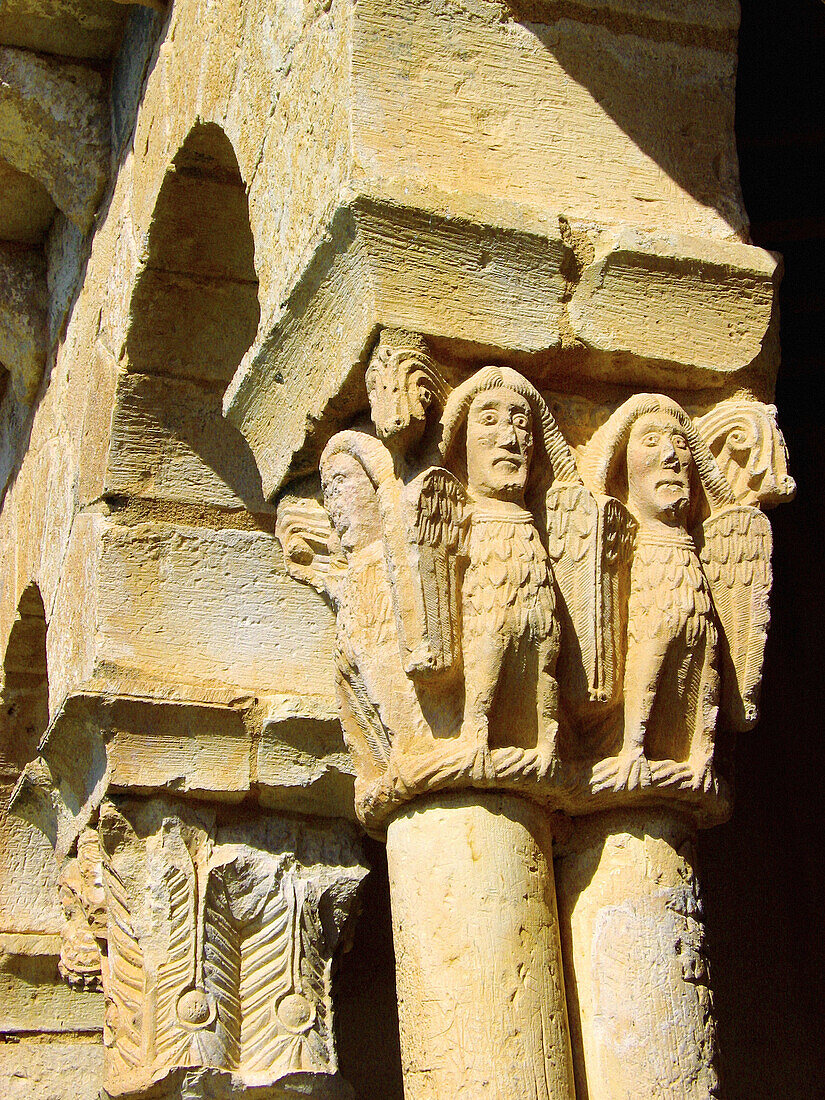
(220, 941)
(585, 627)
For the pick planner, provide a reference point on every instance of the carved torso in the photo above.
(508, 587)
(672, 636)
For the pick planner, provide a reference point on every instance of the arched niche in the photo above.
(28, 872)
(194, 310)
(193, 313)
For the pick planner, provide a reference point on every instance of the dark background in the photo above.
(763, 872)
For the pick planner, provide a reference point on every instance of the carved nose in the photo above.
(669, 452)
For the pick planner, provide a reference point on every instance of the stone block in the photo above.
(64, 1069)
(28, 877)
(169, 441)
(26, 208)
(302, 763)
(184, 613)
(190, 327)
(699, 308)
(33, 996)
(549, 105)
(187, 749)
(23, 303)
(88, 29)
(452, 276)
(54, 126)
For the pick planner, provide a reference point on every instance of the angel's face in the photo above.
(350, 501)
(659, 465)
(499, 444)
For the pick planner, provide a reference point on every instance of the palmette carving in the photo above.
(221, 943)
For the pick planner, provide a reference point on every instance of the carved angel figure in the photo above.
(499, 435)
(395, 595)
(699, 583)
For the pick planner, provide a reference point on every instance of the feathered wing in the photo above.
(589, 542)
(265, 978)
(435, 508)
(176, 970)
(736, 557)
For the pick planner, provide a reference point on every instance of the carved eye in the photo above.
(489, 418)
(521, 421)
(650, 439)
(680, 442)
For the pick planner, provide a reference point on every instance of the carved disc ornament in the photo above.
(580, 628)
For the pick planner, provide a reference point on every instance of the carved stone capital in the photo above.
(221, 943)
(583, 627)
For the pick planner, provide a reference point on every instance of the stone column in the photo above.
(641, 1011)
(480, 987)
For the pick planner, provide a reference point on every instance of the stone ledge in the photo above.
(498, 279)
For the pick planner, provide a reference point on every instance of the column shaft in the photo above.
(480, 987)
(637, 984)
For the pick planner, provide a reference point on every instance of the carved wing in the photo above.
(175, 971)
(590, 542)
(435, 506)
(736, 556)
(222, 971)
(303, 529)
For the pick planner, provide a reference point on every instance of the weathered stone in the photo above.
(640, 1007)
(26, 208)
(70, 28)
(169, 441)
(191, 641)
(478, 952)
(446, 276)
(302, 762)
(221, 943)
(54, 127)
(436, 249)
(23, 296)
(32, 994)
(699, 309)
(65, 1067)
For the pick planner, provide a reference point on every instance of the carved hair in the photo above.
(371, 455)
(609, 446)
(545, 429)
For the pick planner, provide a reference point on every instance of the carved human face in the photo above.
(499, 444)
(659, 465)
(399, 397)
(350, 501)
